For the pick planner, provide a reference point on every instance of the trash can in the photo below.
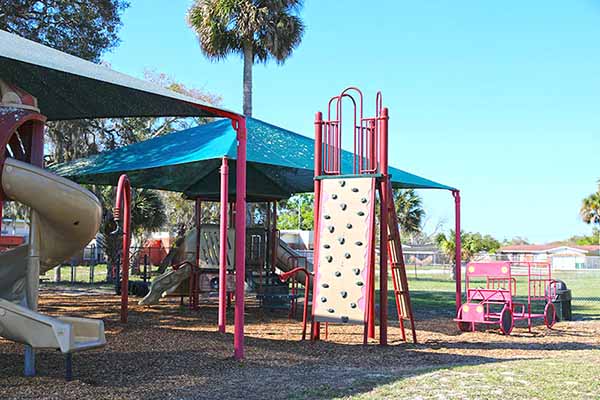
(562, 302)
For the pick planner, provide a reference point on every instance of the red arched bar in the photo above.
(124, 202)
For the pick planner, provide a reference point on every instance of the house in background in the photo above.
(561, 257)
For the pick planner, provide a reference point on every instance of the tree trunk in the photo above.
(248, 62)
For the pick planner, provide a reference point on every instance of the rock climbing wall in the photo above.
(347, 212)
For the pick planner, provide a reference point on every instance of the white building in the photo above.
(565, 257)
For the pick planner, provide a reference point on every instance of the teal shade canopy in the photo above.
(279, 163)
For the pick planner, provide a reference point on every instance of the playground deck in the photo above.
(167, 352)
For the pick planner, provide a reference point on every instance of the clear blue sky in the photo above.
(499, 99)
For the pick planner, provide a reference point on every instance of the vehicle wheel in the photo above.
(506, 321)
(464, 326)
(549, 315)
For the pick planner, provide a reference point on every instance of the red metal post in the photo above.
(275, 238)
(240, 239)
(384, 200)
(318, 167)
(457, 240)
(223, 246)
(124, 201)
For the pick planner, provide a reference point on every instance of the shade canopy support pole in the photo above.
(458, 250)
(240, 237)
(223, 245)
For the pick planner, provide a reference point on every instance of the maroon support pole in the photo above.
(316, 328)
(383, 256)
(240, 239)
(458, 252)
(124, 201)
(223, 246)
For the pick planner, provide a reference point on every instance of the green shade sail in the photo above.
(68, 87)
(279, 163)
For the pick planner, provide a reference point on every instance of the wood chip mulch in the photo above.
(168, 352)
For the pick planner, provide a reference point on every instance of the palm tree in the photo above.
(409, 208)
(258, 30)
(590, 209)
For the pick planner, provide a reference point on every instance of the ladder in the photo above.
(396, 261)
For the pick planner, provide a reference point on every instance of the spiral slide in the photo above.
(64, 218)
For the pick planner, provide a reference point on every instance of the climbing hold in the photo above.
(338, 273)
(334, 196)
(359, 243)
(359, 283)
(352, 305)
(344, 294)
(360, 214)
(355, 190)
(342, 183)
(341, 240)
(330, 310)
(343, 206)
(347, 255)
(345, 319)
(363, 200)
(329, 259)
(356, 271)
(331, 228)
(349, 226)
(327, 216)
(323, 299)
(324, 285)
(326, 246)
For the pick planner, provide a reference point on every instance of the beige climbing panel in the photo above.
(346, 223)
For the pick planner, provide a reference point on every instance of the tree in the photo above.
(258, 30)
(409, 208)
(85, 29)
(297, 212)
(471, 244)
(590, 210)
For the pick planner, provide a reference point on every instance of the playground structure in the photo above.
(63, 220)
(345, 223)
(60, 228)
(499, 302)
